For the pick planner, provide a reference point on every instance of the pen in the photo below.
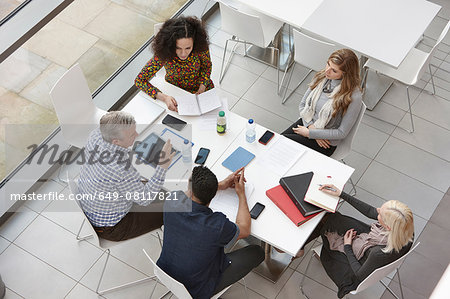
(328, 188)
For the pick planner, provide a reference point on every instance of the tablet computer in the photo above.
(149, 149)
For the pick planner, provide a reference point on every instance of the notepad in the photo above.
(239, 158)
(319, 198)
(198, 104)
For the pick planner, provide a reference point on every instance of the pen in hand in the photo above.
(328, 188)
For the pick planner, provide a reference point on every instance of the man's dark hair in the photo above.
(204, 184)
(165, 42)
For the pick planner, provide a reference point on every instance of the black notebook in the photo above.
(296, 187)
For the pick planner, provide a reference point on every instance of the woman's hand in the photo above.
(330, 189)
(325, 143)
(349, 236)
(171, 103)
(301, 130)
(201, 89)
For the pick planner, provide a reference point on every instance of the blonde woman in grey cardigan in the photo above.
(330, 106)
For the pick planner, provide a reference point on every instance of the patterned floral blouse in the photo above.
(187, 74)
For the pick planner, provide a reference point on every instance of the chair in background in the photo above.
(410, 70)
(175, 287)
(375, 276)
(311, 53)
(74, 107)
(101, 243)
(345, 146)
(248, 27)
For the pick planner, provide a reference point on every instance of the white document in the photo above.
(227, 201)
(281, 155)
(193, 104)
(321, 199)
(208, 121)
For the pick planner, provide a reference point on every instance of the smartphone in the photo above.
(174, 122)
(256, 210)
(266, 137)
(201, 156)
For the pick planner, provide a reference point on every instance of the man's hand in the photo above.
(349, 236)
(301, 130)
(171, 103)
(325, 143)
(166, 155)
(201, 89)
(228, 182)
(239, 184)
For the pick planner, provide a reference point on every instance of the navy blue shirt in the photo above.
(194, 241)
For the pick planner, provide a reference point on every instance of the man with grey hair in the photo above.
(113, 186)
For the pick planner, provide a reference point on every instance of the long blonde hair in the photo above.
(399, 218)
(347, 61)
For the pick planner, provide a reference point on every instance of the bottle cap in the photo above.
(186, 141)
(221, 113)
(250, 121)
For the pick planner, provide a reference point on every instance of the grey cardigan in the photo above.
(339, 126)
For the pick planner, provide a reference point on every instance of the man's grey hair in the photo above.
(113, 123)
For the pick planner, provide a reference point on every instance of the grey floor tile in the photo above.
(390, 184)
(407, 292)
(384, 117)
(17, 223)
(440, 215)
(419, 226)
(299, 73)
(80, 291)
(359, 162)
(43, 238)
(415, 163)
(261, 116)
(315, 270)
(433, 249)
(263, 93)
(396, 96)
(415, 268)
(220, 37)
(311, 288)
(375, 291)
(433, 108)
(265, 287)
(237, 80)
(249, 64)
(368, 141)
(42, 280)
(3, 244)
(427, 136)
(47, 188)
(10, 294)
(237, 290)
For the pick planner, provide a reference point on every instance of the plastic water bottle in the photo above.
(221, 123)
(186, 152)
(250, 134)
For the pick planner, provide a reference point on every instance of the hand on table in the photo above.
(328, 188)
(171, 103)
(349, 236)
(166, 155)
(228, 182)
(201, 89)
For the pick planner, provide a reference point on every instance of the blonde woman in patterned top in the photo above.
(181, 46)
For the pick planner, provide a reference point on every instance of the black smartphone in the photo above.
(174, 122)
(265, 138)
(201, 156)
(256, 210)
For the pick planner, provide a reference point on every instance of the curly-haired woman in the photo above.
(181, 47)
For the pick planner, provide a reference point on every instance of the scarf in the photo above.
(362, 242)
(307, 112)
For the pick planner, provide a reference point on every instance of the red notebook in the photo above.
(284, 202)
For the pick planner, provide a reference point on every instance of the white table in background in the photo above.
(384, 30)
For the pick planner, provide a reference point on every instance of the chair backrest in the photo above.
(156, 28)
(242, 25)
(382, 272)
(311, 52)
(77, 113)
(177, 288)
(345, 146)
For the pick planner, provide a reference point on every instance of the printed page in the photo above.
(208, 101)
(187, 105)
(227, 201)
(208, 121)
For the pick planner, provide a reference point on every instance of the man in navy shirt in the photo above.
(194, 241)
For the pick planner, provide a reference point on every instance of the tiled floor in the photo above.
(40, 258)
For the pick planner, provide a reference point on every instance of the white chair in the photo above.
(311, 53)
(248, 27)
(377, 274)
(76, 111)
(410, 70)
(101, 243)
(175, 287)
(345, 146)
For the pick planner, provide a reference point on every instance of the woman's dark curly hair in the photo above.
(164, 45)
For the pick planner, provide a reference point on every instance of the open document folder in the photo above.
(198, 104)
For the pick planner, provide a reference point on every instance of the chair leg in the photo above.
(278, 70)
(353, 191)
(285, 73)
(389, 289)
(410, 110)
(306, 270)
(79, 232)
(432, 80)
(245, 288)
(108, 253)
(399, 282)
(299, 83)
(229, 58)
(223, 61)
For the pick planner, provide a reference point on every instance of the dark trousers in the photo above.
(242, 262)
(132, 225)
(311, 143)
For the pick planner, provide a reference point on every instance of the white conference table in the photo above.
(272, 226)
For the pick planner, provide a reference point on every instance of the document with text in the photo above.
(198, 104)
